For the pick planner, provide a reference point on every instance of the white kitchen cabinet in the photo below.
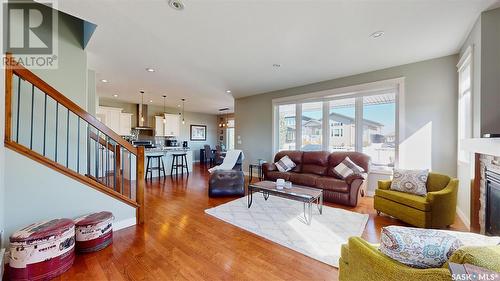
(167, 125)
(159, 126)
(125, 124)
(172, 126)
(115, 119)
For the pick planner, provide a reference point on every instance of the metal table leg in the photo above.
(251, 174)
(249, 196)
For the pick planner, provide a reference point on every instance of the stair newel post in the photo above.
(140, 184)
(9, 76)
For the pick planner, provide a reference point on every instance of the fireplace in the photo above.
(492, 209)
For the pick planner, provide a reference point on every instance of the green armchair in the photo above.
(363, 261)
(435, 210)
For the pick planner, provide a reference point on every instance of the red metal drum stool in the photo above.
(94, 232)
(42, 250)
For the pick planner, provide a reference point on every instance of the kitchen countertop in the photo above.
(167, 149)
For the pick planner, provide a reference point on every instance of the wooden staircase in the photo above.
(45, 126)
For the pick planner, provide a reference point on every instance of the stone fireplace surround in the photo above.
(490, 163)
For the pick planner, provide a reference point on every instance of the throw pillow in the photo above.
(410, 181)
(418, 248)
(285, 164)
(347, 168)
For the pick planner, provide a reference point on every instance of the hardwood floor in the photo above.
(180, 242)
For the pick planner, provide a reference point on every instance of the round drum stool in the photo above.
(42, 251)
(94, 232)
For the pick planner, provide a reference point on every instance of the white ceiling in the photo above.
(212, 46)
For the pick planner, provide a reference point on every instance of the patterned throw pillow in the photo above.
(418, 248)
(410, 181)
(347, 168)
(285, 164)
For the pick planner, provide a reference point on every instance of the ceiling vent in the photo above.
(176, 5)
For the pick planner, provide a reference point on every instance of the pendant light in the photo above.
(142, 102)
(183, 101)
(164, 118)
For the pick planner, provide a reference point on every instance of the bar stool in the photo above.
(176, 165)
(160, 167)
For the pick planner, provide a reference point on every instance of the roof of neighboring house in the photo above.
(310, 122)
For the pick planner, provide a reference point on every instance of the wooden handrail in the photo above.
(37, 82)
(29, 76)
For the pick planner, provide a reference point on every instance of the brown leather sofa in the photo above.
(314, 169)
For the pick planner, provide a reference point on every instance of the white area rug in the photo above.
(282, 221)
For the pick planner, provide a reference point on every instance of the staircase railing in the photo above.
(46, 126)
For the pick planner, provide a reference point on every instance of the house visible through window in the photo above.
(363, 122)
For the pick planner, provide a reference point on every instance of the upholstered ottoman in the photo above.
(42, 250)
(226, 183)
(94, 232)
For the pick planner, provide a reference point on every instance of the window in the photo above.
(312, 115)
(230, 134)
(464, 103)
(364, 120)
(286, 127)
(379, 131)
(343, 124)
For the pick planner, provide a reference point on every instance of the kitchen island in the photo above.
(167, 155)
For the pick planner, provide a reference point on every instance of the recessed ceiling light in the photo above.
(228, 91)
(176, 5)
(104, 81)
(115, 95)
(150, 100)
(277, 65)
(377, 34)
(178, 105)
(149, 69)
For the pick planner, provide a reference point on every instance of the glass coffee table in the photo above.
(304, 194)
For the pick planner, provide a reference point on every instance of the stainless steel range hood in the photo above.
(143, 124)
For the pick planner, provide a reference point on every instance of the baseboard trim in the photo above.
(124, 223)
(464, 218)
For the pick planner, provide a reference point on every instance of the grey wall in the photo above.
(45, 193)
(430, 108)
(191, 118)
(490, 71)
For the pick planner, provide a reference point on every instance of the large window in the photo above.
(364, 122)
(312, 115)
(287, 128)
(379, 131)
(342, 123)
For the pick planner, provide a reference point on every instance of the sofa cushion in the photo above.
(274, 175)
(304, 179)
(335, 158)
(418, 248)
(294, 155)
(411, 200)
(285, 164)
(315, 162)
(347, 168)
(332, 184)
(410, 181)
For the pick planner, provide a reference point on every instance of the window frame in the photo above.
(359, 91)
(466, 60)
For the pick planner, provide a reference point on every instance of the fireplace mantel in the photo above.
(482, 146)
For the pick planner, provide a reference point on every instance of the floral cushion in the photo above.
(410, 181)
(418, 248)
